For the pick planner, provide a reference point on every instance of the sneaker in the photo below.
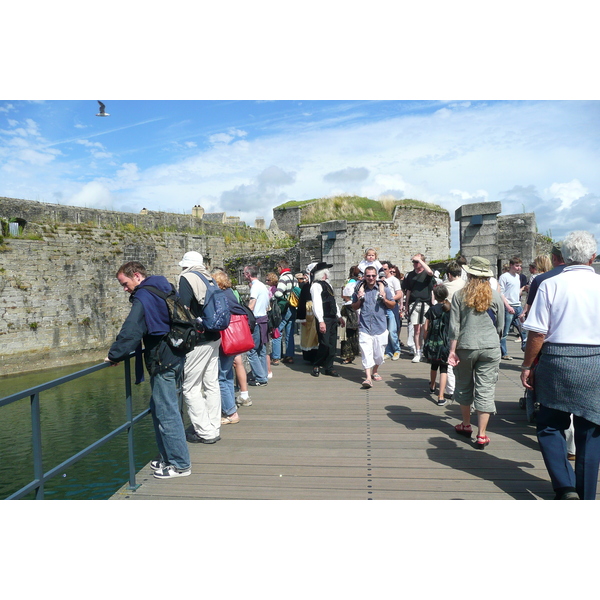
(243, 401)
(396, 356)
(416, 358)
(507, 357)
(194, 438)
(157, 464)
(442, 402)
(257, 383)
(172, 471)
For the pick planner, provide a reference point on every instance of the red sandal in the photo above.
(482, 441)
(463, 429)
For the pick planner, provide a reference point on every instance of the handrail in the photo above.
(40, 478)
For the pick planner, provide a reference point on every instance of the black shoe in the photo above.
(331, 373)
(315, 372)
(194, 438)
(567, 496)
(257, 383)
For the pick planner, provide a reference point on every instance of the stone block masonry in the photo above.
(60, 302)
(343, 243)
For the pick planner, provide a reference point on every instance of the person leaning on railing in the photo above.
(149, 321)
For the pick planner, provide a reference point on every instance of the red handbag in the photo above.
(237, 338)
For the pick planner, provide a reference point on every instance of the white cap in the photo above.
(192, 259)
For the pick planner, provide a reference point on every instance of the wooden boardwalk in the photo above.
(313, 439)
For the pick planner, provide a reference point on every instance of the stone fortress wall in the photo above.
(343, 243)
(61, 304)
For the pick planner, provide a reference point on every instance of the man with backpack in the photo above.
(201, 390)
(149, 321)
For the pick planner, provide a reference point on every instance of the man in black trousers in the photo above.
(327, 318)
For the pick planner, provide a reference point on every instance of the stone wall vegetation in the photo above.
(60, 302)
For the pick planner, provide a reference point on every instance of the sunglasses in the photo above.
(370, 275)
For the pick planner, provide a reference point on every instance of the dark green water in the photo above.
(73, 416)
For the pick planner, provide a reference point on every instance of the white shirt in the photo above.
(510, 286)
(317, 300)
(566, 307)
(393, 284)
(348, 291)
(453, 286)
(261, 292)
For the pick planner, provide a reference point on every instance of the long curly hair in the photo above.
(478, 293)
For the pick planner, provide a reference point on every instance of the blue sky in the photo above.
(245, 157)
(241, 107)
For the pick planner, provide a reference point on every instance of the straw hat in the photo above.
(479, 267)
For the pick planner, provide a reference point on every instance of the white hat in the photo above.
(192, 259)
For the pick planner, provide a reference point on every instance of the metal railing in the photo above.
(40, 478)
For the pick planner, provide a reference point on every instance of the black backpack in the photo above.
(273, 315)
(437, 346)
(185, 332)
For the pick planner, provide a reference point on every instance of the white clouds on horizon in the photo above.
(461, 153)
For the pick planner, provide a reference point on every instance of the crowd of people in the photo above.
(458, 322)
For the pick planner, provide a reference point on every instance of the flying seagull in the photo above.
(102, 113)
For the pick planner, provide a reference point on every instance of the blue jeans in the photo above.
(286, 328)
(551, 426)
(392, 324)
(257, 357)
(166, 417)
(508, 319)
(228, 406)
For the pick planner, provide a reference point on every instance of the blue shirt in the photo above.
(373, 318)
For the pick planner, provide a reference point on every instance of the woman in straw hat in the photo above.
(476, 324)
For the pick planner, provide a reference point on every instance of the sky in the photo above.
(244, 157)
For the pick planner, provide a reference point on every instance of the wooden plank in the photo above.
(327, 438)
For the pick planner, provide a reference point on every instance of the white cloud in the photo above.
(220, 138)
(92, 195)
(567, 193)
(225, 138)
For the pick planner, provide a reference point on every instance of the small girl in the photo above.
(436, 347)
(370, 260)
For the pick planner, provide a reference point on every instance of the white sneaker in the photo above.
(417, 358)
(243, 402)
(396, 356)
(171, 471)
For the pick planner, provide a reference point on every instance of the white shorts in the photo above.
(372, 348)
(415, 315)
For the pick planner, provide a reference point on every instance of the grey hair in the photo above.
(579, 247)
(321, 275)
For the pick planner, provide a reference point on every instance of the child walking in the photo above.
(437, 347)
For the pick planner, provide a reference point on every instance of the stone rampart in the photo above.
(59, 300)
(343, 243)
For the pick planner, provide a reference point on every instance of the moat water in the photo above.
(73, 416)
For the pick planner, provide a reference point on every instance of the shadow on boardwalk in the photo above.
(451, 450)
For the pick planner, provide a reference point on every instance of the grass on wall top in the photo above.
(352, 208)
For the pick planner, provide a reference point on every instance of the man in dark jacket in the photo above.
(149, 321)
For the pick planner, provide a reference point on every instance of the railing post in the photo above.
(129, 407)
(36, 434)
